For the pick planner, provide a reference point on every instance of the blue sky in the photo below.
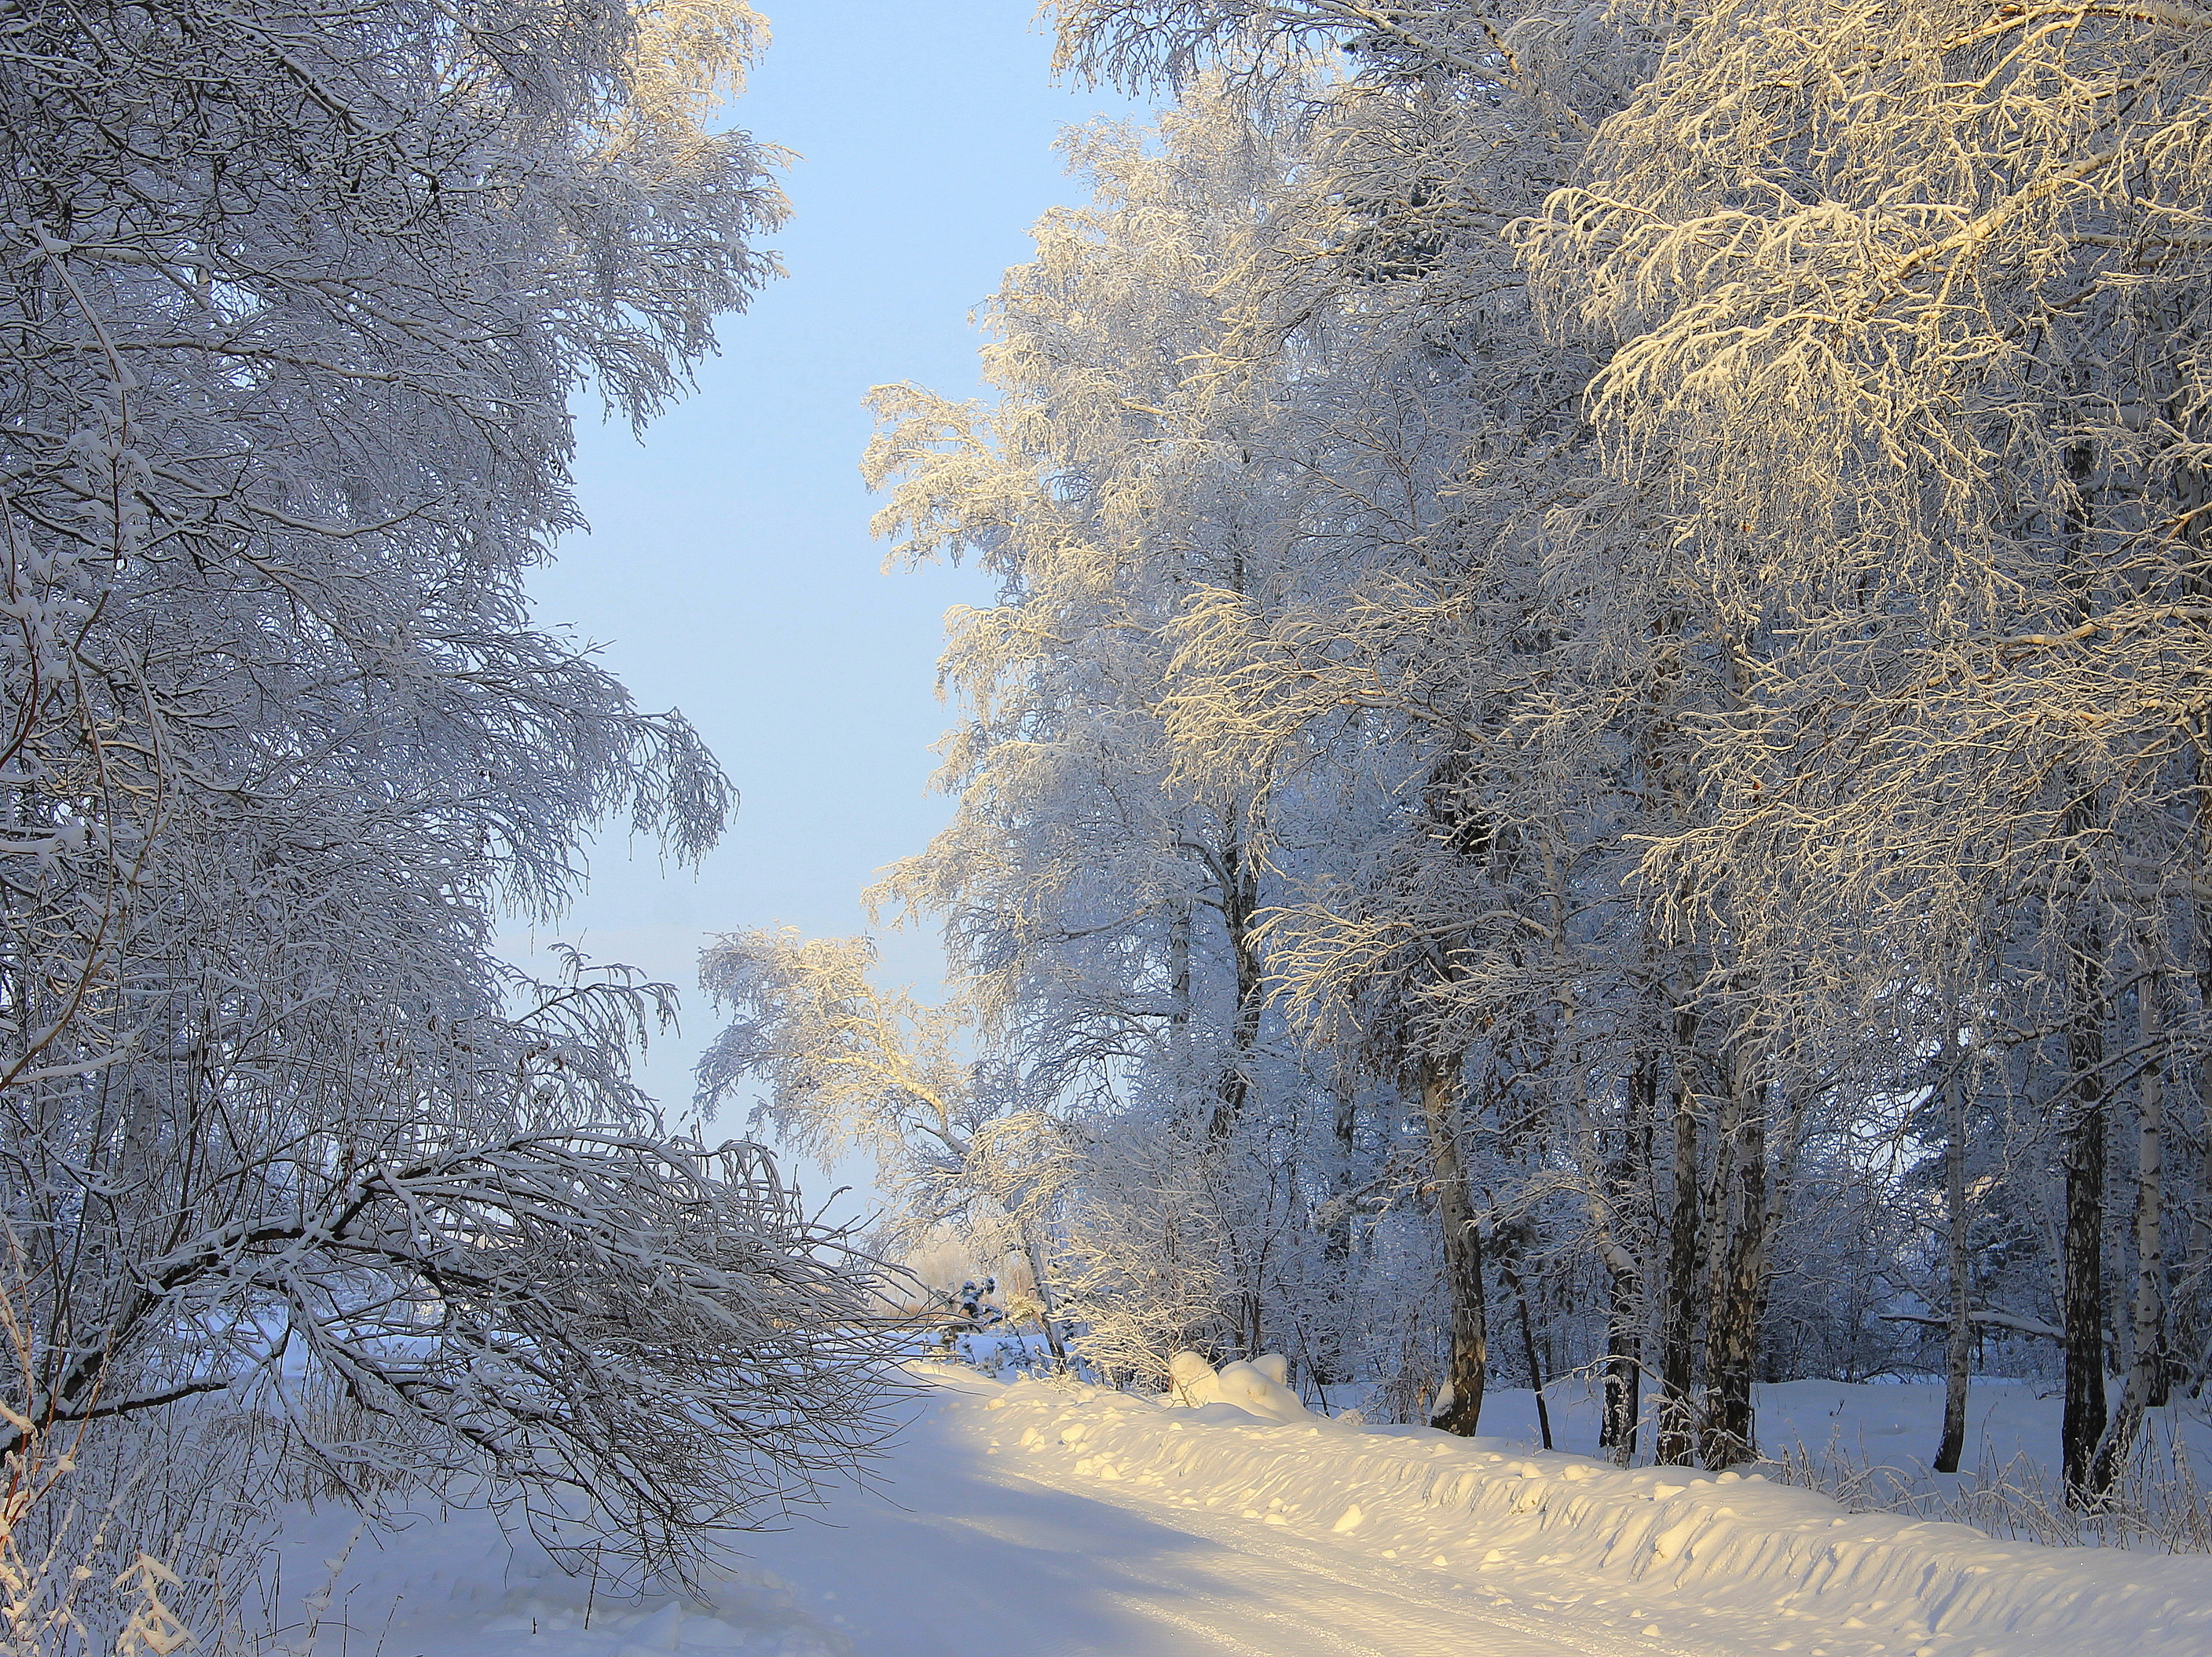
(730, 571)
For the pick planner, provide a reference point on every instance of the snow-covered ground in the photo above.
(1895, 1424)
(1034, 1519)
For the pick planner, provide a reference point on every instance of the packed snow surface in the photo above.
(1037, 1519)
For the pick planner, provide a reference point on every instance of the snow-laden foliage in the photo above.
(1106, 918)
(1590, 763)
(1908, 349)
(842, 1066)
(294, 298)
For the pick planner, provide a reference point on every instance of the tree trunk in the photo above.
(1458, 1407)
(1049, 1314)
(2081, 1265)
(2146, 1379)
(1179, 1001)
(1678, 1317)
(2154, 1340)
(1729, 1434)
(1536, 1366)
(1624, 1369)
(1239, 903)
(1958, 1344)
(1508, 1270)
(1331, 1364)
(1631, 1171)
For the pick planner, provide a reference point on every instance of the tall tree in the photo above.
(1910, 350)
(294, 300)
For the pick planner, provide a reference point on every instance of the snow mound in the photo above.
(1915, 1588)
(1257, 1388)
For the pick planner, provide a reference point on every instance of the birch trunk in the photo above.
(1239, 903)
(2082, 1265)
(1738, 1297)
(1458, 1408)
(1958, 1345)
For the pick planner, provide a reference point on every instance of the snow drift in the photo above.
(1722, 1540)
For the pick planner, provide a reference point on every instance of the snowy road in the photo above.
(964, 1553)
(1041, 1521)
(997, 1562)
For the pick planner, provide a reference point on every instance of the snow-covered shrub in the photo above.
(1142, 1264)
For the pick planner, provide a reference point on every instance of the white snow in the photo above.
(1256, 1388)
(1039, 1518)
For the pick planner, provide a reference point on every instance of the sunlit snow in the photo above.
(1045, 1517)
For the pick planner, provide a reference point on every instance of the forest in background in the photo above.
(1590, 763)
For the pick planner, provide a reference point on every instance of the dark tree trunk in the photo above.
(1678, 1313)
(1628, 1178)
(1958, 1344)
(1330, 1362)
(2146, 1387)
(2082, 1266)
(1459, 1406)
(1510, 1256)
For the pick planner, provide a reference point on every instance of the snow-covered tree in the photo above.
(294, 301)
(1103, 916)
(1592, 731)
(1910, 355)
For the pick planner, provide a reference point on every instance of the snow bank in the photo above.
(1725, 1541)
